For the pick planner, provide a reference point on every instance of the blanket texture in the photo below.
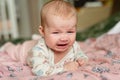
(103, 53)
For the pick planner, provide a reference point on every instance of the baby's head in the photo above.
(58, 25)
(57, 8)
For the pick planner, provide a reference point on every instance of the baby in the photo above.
(57, 51)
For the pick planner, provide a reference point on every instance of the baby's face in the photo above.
(60, 33)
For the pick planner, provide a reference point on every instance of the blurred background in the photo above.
(21, 18)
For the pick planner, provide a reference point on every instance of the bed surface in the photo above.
(103, 53)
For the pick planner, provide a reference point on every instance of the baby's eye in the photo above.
(55, 32)
(70, 31)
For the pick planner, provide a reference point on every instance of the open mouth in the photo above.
(61, 44)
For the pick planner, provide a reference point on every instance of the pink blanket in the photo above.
(103, 53)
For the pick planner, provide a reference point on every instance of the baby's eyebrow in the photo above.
(73, 27)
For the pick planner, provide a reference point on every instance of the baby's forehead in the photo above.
(59, 8)
(53, 21)
(52, 12)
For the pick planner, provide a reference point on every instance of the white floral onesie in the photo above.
(41, 59)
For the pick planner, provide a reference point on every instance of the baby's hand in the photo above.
(71, 66)
(81, 61)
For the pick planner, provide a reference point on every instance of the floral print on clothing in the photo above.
(42, 59)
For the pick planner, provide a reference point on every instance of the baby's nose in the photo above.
(64, 37)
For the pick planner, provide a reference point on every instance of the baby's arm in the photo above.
(81, 58)
(74, 65)
(40, 64)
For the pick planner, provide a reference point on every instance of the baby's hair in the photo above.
(58, 8)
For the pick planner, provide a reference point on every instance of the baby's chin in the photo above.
(62, 50)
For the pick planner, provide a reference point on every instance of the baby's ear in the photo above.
(41, 31)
